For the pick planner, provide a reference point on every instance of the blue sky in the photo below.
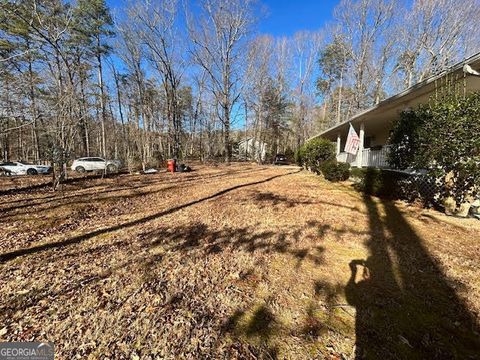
(285, 17)
(278, 18)
(282, 17)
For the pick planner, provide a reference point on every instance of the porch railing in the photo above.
(370, 158)
(376, 158)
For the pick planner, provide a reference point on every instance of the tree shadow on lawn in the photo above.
(78, 239)
(204, 240)
(13, 303)
(86, 199)
(267, 199)
(258, 325)
(261, 325)
(196, 240)
(187, 242)
(48, 183)
(405, 305)
(111, 188)
(70, 181)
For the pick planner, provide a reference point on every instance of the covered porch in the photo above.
(373, 125)
(369, 157)
(373, 149)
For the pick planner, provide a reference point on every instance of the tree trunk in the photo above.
(226, 134)
(102, 100)
(33, 110)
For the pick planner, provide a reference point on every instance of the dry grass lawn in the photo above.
(242, 262)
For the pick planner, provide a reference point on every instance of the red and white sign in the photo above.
(353, 141)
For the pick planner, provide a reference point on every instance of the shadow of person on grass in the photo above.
(406, 307)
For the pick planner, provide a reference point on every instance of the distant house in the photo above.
(374, 125)
(251, 149)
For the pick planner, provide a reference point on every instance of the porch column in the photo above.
(360, 145)
(339, 142)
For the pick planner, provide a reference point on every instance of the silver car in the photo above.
(22, 168)
(95, 164)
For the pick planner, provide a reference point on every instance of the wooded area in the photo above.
(163, 79)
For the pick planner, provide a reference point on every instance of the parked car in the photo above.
(23, 168)
(95, 164)
(280, 159)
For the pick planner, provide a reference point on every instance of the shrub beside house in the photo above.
(443, 139)
(429, 131)
(439, 144)
(318, 156)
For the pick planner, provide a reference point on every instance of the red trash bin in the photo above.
(171, 165)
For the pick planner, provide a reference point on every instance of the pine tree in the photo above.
(92, 28)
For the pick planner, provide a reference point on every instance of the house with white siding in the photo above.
(374, 124)
(252, 149)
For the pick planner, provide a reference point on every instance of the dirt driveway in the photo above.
(235, 262)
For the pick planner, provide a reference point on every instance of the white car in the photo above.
(22, 168)
(94, 164)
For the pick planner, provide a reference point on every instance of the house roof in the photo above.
(416, 90)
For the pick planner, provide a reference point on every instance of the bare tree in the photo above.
(218, 38)
(157, 21)
(305, 52)
(133, 54)
(436, 34)
(257, 74)
(168, 94)
(362, 25)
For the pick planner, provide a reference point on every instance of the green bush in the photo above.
(299, 156)
(335, 171)
(442, 137)
(405, 137)
(357, 172)
(313, 153)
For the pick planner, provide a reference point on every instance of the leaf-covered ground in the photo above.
(237, 261)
